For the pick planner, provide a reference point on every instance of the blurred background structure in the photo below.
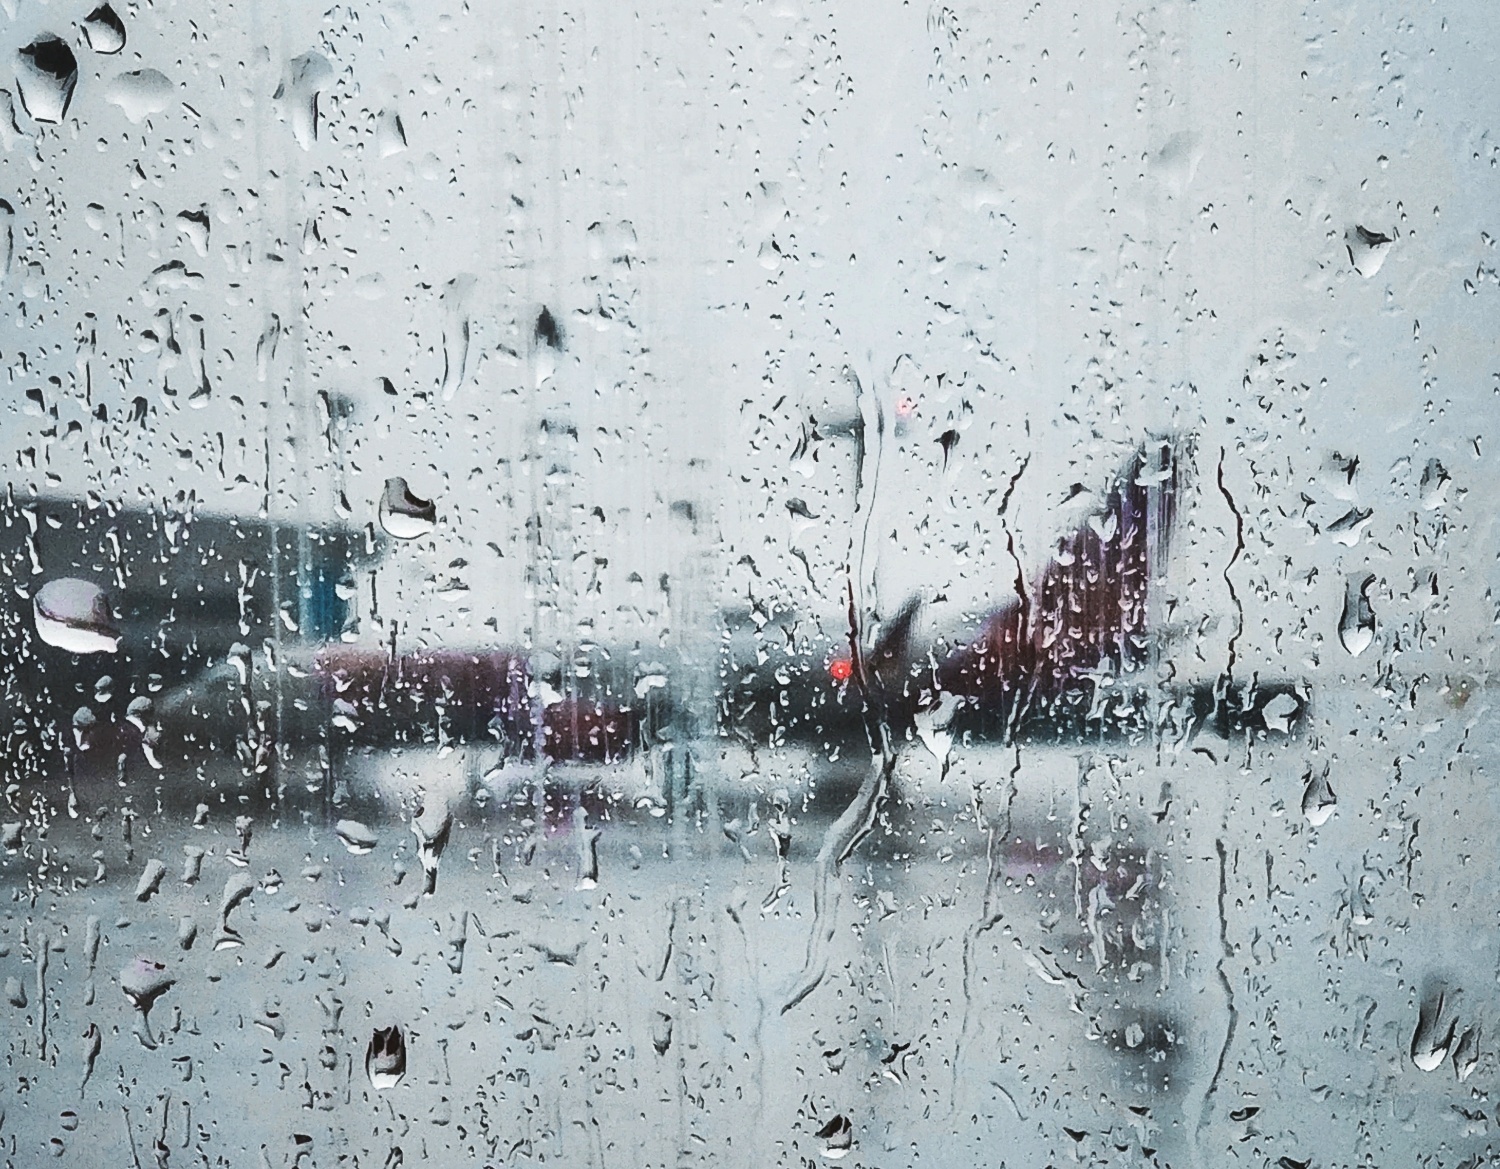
(752, 584)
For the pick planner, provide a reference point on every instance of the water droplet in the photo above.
(140, 712)
(10, 836)
(390, 134)
(1318, 800)
(649, 678)
(173, 276)
(893, 1063)
(75, 615)
(1348, 528)
(1466, 1054)
(1434, 1033)
(150, 882)
(1338, 475)
(237, 887)
(46, 75)
(547, 331)
(239, 854)
(933, 724)
(588, 850)
(307, 76)
(272, 1021)
(104, 30)
(1357, 623)
(143, 981)
(559, 955)
(385, 1058)
(948, 442)
(1279, 711)
(140, 93)
(192, 864)
(837, 1137)
(734, 832)
(356, 837)
(780, 823)
(242, 661)
(1367, 249)
(7, 238)
(92, 1042)
(15, 992)
(1434, 488)
(403, 514)
(456, 329)
(458, 942)
(84, 724)
(661, 1032)
(430, 825)
(194, 227)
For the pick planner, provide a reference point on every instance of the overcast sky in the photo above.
(1049, 229)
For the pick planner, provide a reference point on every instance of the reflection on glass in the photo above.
(747, 585)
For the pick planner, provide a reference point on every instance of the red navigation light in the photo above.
(840, 669)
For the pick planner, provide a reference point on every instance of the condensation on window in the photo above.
(748, 584)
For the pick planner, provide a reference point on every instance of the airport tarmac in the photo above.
(1152, 960)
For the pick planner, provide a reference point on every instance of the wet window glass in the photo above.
(748, 584)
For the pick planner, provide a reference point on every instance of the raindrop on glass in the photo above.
(104, 30)
(404, 515)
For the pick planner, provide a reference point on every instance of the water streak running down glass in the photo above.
(747, 585)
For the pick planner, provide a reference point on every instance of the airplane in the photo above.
(1071, 657)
